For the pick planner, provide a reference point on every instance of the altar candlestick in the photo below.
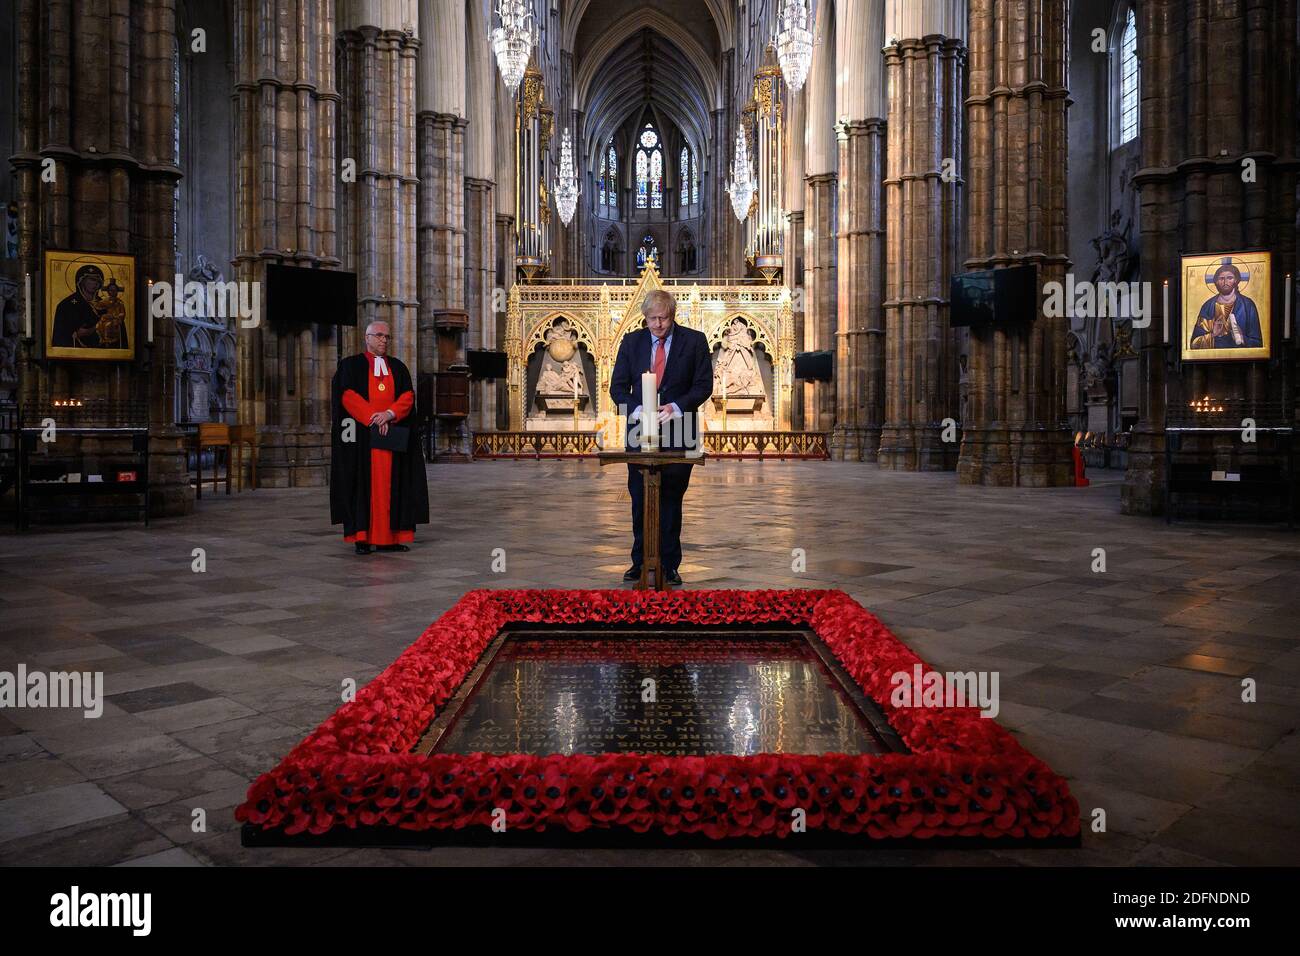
(1165, 340)
(724, 401)
(649, 412)
(1287, 312)
(149, 308)
(27, 305)
(575, 402)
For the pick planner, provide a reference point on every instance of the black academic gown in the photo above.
(350, 461)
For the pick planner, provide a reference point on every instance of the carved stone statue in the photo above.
(561, 368)
(737, 364)
(1114, 252)
(9, 329)
(205, 372)
(1097, 372)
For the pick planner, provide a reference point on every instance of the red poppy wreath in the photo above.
(965, 776)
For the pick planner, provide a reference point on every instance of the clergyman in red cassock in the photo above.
(378, 495)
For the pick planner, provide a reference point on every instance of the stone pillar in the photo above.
(1194, 197)
(1016, 118)
(82, 69)
(859, 351)
(821, 193)
(285, 115)
(506, 237)
(379, 73)
(923, 226)
(726, 256)
(480, 210)
(442, 124)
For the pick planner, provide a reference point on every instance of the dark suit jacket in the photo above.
(688, 375)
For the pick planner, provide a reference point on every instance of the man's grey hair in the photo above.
(371, 325)
(659, 297)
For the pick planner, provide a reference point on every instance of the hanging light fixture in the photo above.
(794, 43)
(566, 181)
(741, 187)
(513, 40)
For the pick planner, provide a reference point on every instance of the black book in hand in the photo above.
(397, 439)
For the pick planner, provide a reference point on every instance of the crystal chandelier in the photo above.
(794, 43)
(513, 40)
(741, 187)
(566, 181)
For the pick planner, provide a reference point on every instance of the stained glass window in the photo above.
(657, 179)
(647, 251)
(684, 176)
(649, 170)
(1128, 80)
(609, 178)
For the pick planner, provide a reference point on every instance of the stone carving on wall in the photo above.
(1102, 346)
(9, 330)
(736, 372)
(205, 360)
(561, 370)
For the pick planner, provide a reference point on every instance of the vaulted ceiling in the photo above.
(630, 54)
(646, 70)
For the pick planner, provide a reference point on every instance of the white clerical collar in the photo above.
(381, 367)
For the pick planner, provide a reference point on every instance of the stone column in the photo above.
(1194, 197)
(859, 352)
(480, 209)
(442, 124)
(84, 70)
(285, 114)
(923, 224)
(1016, 119)
(726, 257)
(506, 237)
(379, 76)
(821, 192)
(793, 241)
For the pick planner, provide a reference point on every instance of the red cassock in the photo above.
(381, 460)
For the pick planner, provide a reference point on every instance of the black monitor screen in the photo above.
(973, 299)
(297, 295)
(1001, 296)
(486, 363)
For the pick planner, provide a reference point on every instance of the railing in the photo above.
(760, 445)
(535, 444)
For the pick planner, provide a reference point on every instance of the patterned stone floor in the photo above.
(1128, 681)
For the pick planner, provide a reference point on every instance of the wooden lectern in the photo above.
(651, 464)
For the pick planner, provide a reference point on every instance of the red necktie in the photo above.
(659, 362)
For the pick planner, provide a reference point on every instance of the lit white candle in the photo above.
(649, 412)
(148, 308)
(1166, 294)
(1287, 313)
(27, 306)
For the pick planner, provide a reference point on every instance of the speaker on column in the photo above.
(815, 366)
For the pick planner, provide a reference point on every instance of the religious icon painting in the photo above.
(89, 305)
(1227, 311)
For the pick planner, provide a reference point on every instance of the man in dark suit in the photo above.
(679, 357)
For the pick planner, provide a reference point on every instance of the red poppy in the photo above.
(965, 775)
